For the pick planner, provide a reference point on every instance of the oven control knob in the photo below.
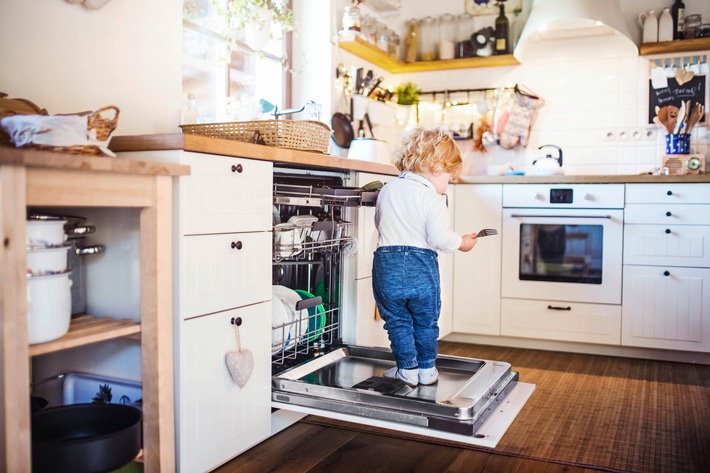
(587, 197)
(537, 196)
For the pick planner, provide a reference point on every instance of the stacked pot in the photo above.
(56, 286)
(48, 283)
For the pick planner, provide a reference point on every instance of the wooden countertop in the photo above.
(48, 159)
(203, 144)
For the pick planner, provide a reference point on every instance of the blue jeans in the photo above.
(406, 284)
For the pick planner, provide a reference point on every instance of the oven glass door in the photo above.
(569, 255)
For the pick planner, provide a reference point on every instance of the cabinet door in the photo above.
(225, 194)
(220, 272)
(565, 321)
(666, 308)
(218, 419)
(677, 245)
(477, 274)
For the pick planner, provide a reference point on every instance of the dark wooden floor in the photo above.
(313, 446)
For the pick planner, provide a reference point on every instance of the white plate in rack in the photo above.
(280, 325)
(298, 319)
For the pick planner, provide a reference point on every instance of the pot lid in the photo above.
(570, 28)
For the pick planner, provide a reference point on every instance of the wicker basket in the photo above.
(303, 135)
(96, 121)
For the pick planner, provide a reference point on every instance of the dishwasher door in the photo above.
(349, 380)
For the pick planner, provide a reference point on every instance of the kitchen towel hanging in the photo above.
(516, 130)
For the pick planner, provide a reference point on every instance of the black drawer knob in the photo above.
(237, 168)
(666, 273)
(669, 193)
(668, 214)
(237, 244)
(236, 321)
(668, 230)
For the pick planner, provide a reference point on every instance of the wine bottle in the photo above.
(502, 35)
(678, 14)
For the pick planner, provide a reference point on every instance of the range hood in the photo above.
(573, 29)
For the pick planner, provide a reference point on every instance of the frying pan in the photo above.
(343, 133)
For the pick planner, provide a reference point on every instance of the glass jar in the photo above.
(429, 39)
(369, 29)
(464, 29)
(383, 37)
(447, 36)
(351, 18)
(393, 47)
(411, 40)
(692, 25)
(704, 31)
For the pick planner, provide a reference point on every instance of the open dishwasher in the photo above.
(314, 372)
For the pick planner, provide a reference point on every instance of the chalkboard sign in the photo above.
(674, 94)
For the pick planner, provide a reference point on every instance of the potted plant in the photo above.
(407, 95)
(254, 18)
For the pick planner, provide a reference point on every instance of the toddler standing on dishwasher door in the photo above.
(413, 224)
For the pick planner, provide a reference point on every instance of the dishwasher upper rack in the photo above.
(318, 196)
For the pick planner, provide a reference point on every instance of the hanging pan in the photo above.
(343, 133)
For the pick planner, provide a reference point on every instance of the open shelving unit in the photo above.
(672, 47)
(378, 57)
(42, 178)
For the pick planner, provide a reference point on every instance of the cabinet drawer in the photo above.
(218, 419)
(671, 193)
(225, 195)
(566, 321)
(588, 196)
(679, 245)
(668, 214)
(666, 307)
(220, 272)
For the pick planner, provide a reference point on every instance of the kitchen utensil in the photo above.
(369, 124)
(548, 165)
(304, 225)
(487, 232)
(286, 241)
(50, 260)
(44, 233)
(680, 118)
(48, 307)
(343, 133)
(663, 118)
(672, 117)
(85, 438)
(695, 116)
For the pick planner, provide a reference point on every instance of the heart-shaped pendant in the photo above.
(240, 365)
(682, 76)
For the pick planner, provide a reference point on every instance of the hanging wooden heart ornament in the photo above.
(240, 363)
(682, 76)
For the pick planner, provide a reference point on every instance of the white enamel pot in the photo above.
(44, 233)
(50, 260)
(48, 307)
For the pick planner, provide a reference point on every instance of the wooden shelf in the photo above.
(87, 329)
(673, 47)
(376, 56)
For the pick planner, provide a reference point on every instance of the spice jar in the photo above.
(429, 39)
(692, 25)
(447, 36)
(411, 41)
(704, 31)
(464, 28)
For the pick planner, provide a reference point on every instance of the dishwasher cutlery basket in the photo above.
(304, 135)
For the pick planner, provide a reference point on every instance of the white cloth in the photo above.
(55, 130)
(410, 212)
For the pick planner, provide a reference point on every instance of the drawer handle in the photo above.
(552, 307)
(237, 168)
(666, 273)
(668, 214)
(669, 193)
(668, 230)
(236, 321)
(237, 244)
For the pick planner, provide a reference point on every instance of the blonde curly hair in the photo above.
(429, 150)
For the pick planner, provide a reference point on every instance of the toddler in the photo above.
(413, 224)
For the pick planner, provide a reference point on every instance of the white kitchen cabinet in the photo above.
(666, 307)
(477, 273)
(218, 418)
(565, 321)
(223, 253)
(666, 295)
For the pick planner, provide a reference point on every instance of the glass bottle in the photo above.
(502, 44)
(429, 39)
(678, 13)
(411, 41)
(447, 36)
(665, 26)
(464, 29)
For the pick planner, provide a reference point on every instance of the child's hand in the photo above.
(468, 242)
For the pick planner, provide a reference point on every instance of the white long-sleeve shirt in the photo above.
(411, 213)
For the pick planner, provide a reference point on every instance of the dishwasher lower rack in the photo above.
(316, 326)
(350, 380)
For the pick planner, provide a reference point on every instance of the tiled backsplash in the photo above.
(596, 110)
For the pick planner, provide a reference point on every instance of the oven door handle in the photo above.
(608, 217)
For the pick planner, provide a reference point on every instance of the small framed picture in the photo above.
(488, 7)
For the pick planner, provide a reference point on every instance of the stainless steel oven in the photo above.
(563, 242)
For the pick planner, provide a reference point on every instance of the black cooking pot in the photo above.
(85, 438)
